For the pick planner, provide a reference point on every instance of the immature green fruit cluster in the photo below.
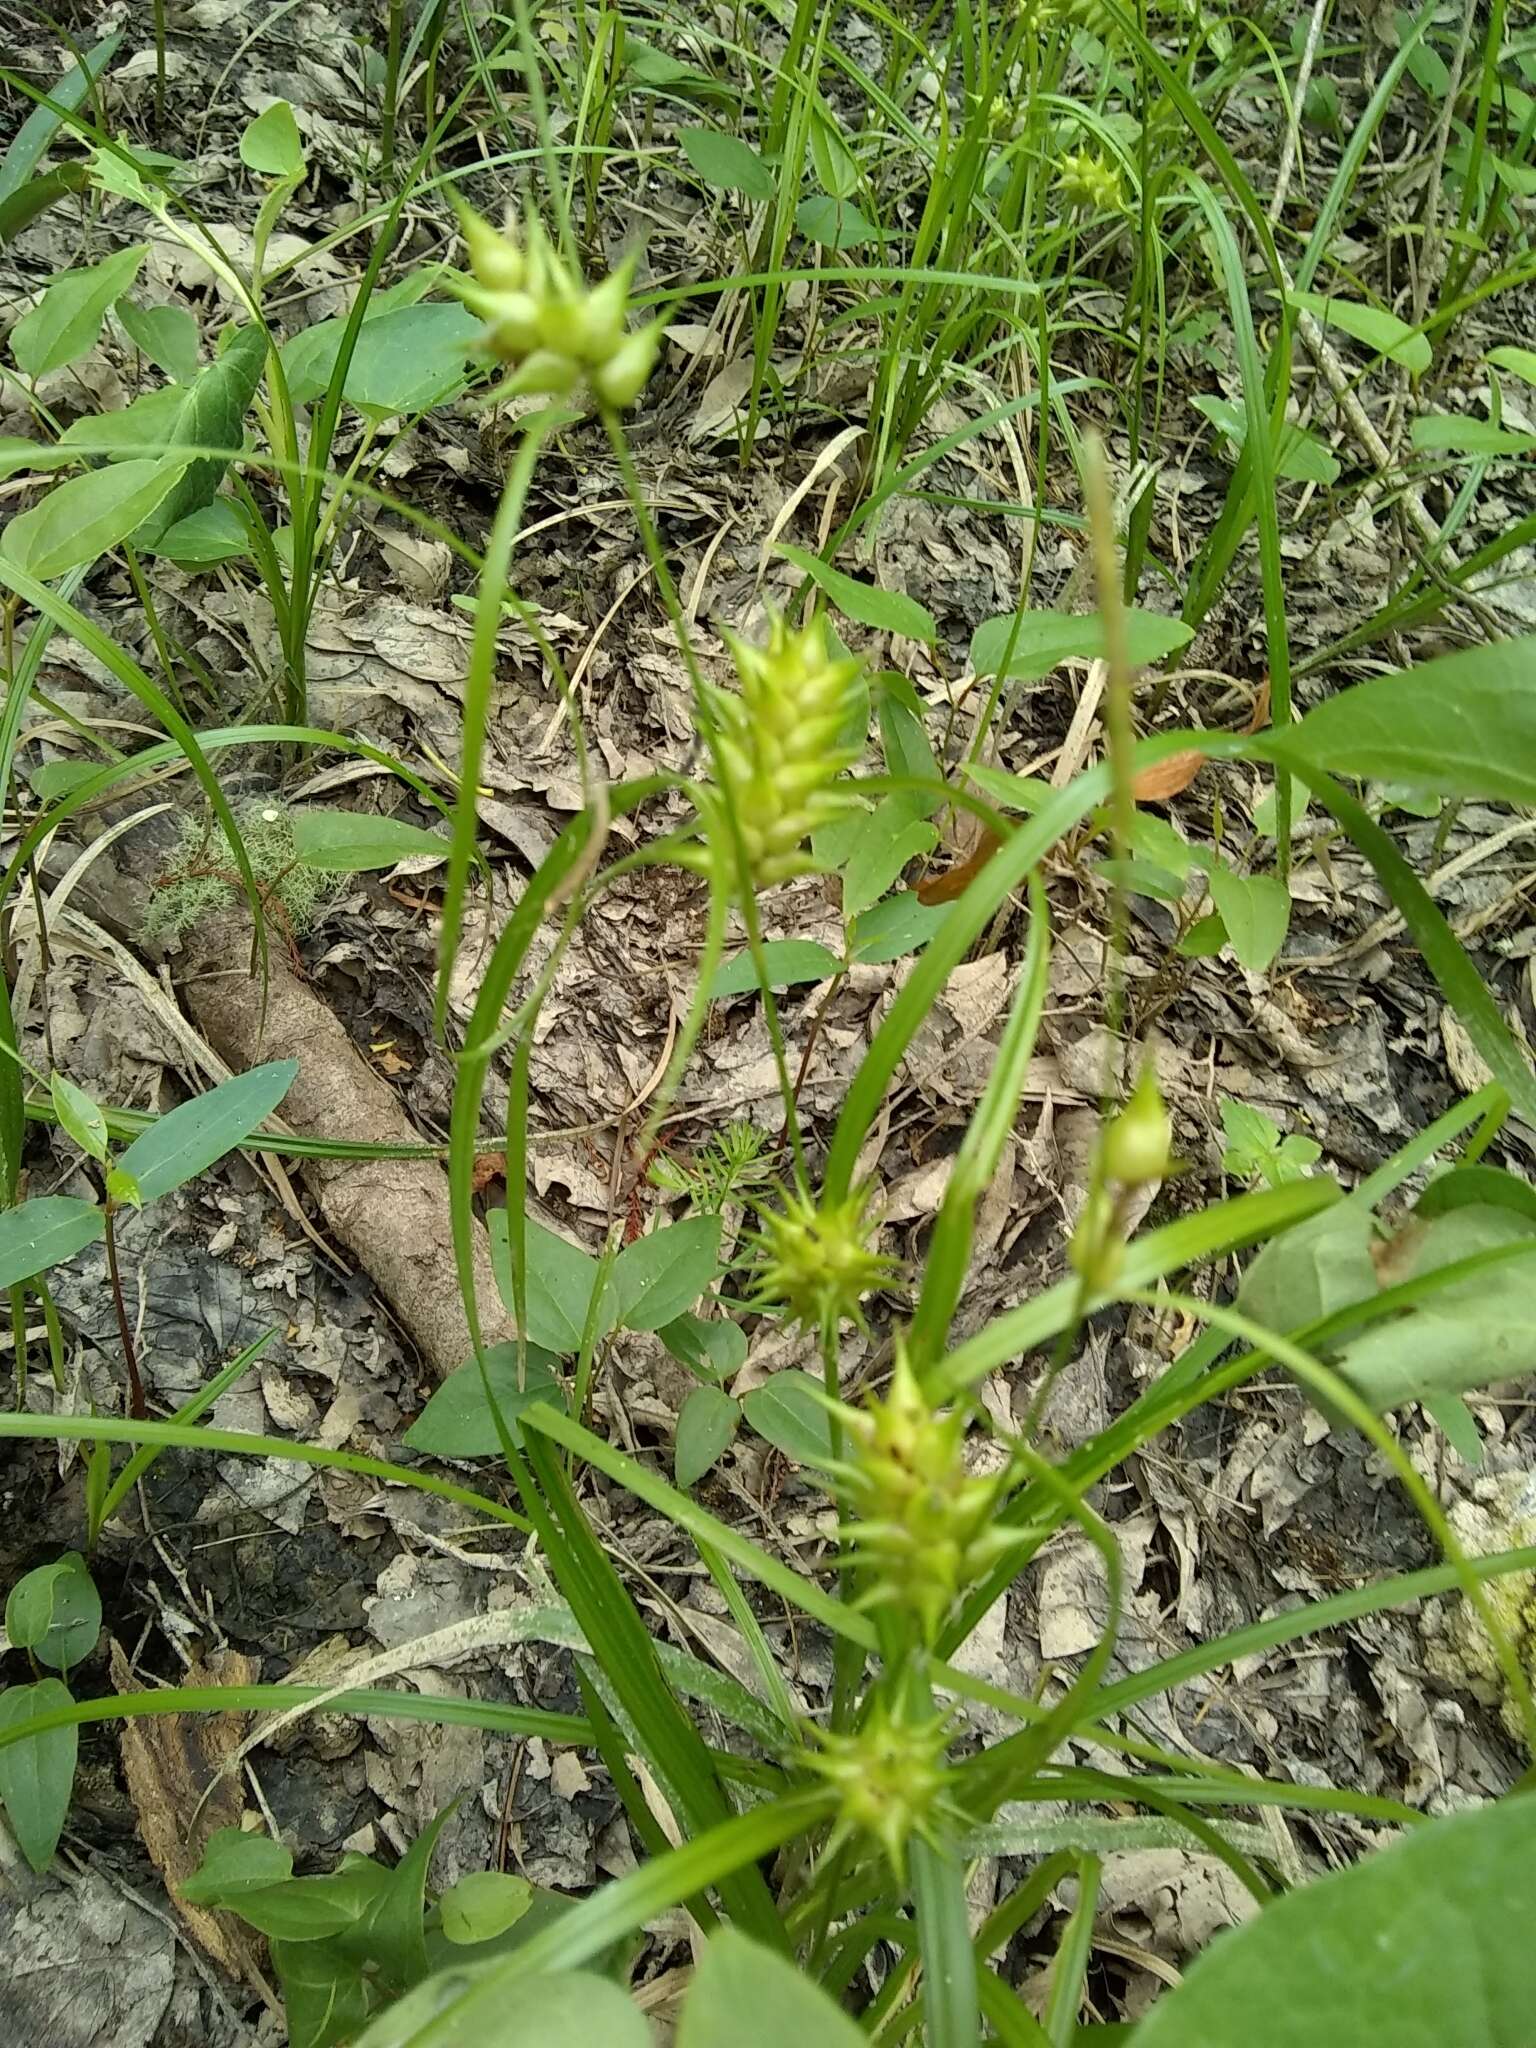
(919, 1522)
(816, 1260)
(1135, 1149)
(889, 1778)
(1085, 178)
(554, 330)
(778, 746)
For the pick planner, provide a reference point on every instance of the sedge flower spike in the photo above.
(778, 744)
(888, 1777)
(552, 330)
(816, 1260)
(1091, 182)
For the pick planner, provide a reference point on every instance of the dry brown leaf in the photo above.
(1168, 778)
(169, 1761)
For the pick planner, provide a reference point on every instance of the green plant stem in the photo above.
(136, 1407)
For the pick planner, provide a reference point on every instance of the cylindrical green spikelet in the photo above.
(778, 743)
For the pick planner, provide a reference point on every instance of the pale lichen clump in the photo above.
(200, 877)
(1458, 1649)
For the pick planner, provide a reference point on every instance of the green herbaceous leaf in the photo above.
(483, 1904)
(837, 170)
(79, 1116)
(1462, 725)
(1521, 362)
(348, 842)
(896, 833)
(1256, 1150)
(212, 415)
(737, 1977)
(17, 453)
(55, 1612)
(834, 223)
(789, 1412)
(43, 123)
(713, 1349)
(1311, 1271)
(788, 961)
(1301, 456)
(20, 208)
(1382, 332)
(396, 1935)
(1425, 1945)
(84, 516)
(407, 358)
(142, 427)
(1024, 793)
(659, 1275)
(1256, 911)
(1440, 433)
(708, 1421)
(38, 1234)
(901, 924)
(235, 1862)
(726, 163)
(303, 1909)
(560, 1276)
(1204, 939)
(270, 145)
(188, 1140)
(1046, 639)
(37, 1774)
(123, 1190)
(1457, 1424)
(903, 730)
(67, 319)
(470, 2008)
(326, 2000)
(1142, 878)
(216, 533)
(459, 1421)
(168, 335)
(887, 611)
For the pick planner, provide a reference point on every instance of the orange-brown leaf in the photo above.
(1168, 778)
(946, 887)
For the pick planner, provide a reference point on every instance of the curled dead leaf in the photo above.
(1168, 778)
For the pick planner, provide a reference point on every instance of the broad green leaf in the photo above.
(123, 1189)
(1142, 878)
(84, 516)
(17, 453)
(212, 415)
(1463, 725)
(38, 1234)
(1424, 1945)
(726, 163)
(708, 1421)
(407, 358)
(901, 924)
(303, 1909)
(743, 1992)
(887, 611)
(789, 1412)
(270, 144)
(787, 960)
(659, 1275)
(459, 1421)
(20, 208)
(235, 1862)
(168, 335)
(186, 1141)
(1204, 939)
(43, 123)
(1442, 433)
(1046, 639)
(894, 834)
(1520, 361)
(713, 1349)
(1382, 332)
(560, 1279)
(348, 842)
(79, 1116)
(483, 1904)
(67, 319)
(326, 1999)
(142, 427)
(1311, 1271)
(834, 223)
(55, 1612)
(216, 533)
(396, 1938)
(470, 2008)
(1256, 911)
(903, 730)
(837, 170)
(1300, 456)
(38, 1773)
(1024, 793)
(1470, 1333)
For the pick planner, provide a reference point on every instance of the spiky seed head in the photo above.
(889, 1777)
(816, 1259)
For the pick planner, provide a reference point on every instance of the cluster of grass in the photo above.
(1019, 222)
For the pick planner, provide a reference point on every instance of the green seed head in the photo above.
(817, 1262)
(1091, 181)
(1137, 1142)
(919, 1521)
(889, 1779)
(777, 744)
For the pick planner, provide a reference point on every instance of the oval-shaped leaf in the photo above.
(834, 223)
(1256, 910)
(726, 163)
(36, 1235)
(79, 1116)
(469, 2004)
(349, 842)
(1046, 639)
(711, 1349)
(459, 1421)
(742, 1991)
(55, 1612)
(270, 144)
(407, 358)
(67, 319)
(215, 533)
(888, 611)
(1426, 1942)
(168, 335)
(483, 1904)
(788, 961)
(235, 1861)
(708, 1421)
(1380, 330)
(38, 1773)
(657, 1277)
(884, 844)
(187, 1141)
(560, 1277)
(789, 1412)
(85, 515)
